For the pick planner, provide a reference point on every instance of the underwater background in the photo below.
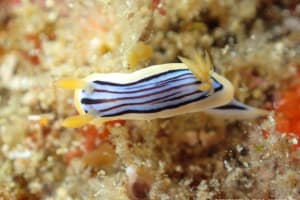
(254, 43)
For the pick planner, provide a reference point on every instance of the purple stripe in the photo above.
(141, 103)
(145, 111)
(97, 101)
(160, 84)
(130, 111)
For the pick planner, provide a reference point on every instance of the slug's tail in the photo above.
(71, 84)
(236, 110)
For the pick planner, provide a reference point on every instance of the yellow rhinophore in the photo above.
(77, 121)
(71, 83)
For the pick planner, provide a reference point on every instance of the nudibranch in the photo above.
(158, 91)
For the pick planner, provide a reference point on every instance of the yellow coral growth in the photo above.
(140, 52)
(103, 156)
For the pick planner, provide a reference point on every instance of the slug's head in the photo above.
(84, 117)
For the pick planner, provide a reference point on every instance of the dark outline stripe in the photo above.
(141, 80)
(230, 106)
